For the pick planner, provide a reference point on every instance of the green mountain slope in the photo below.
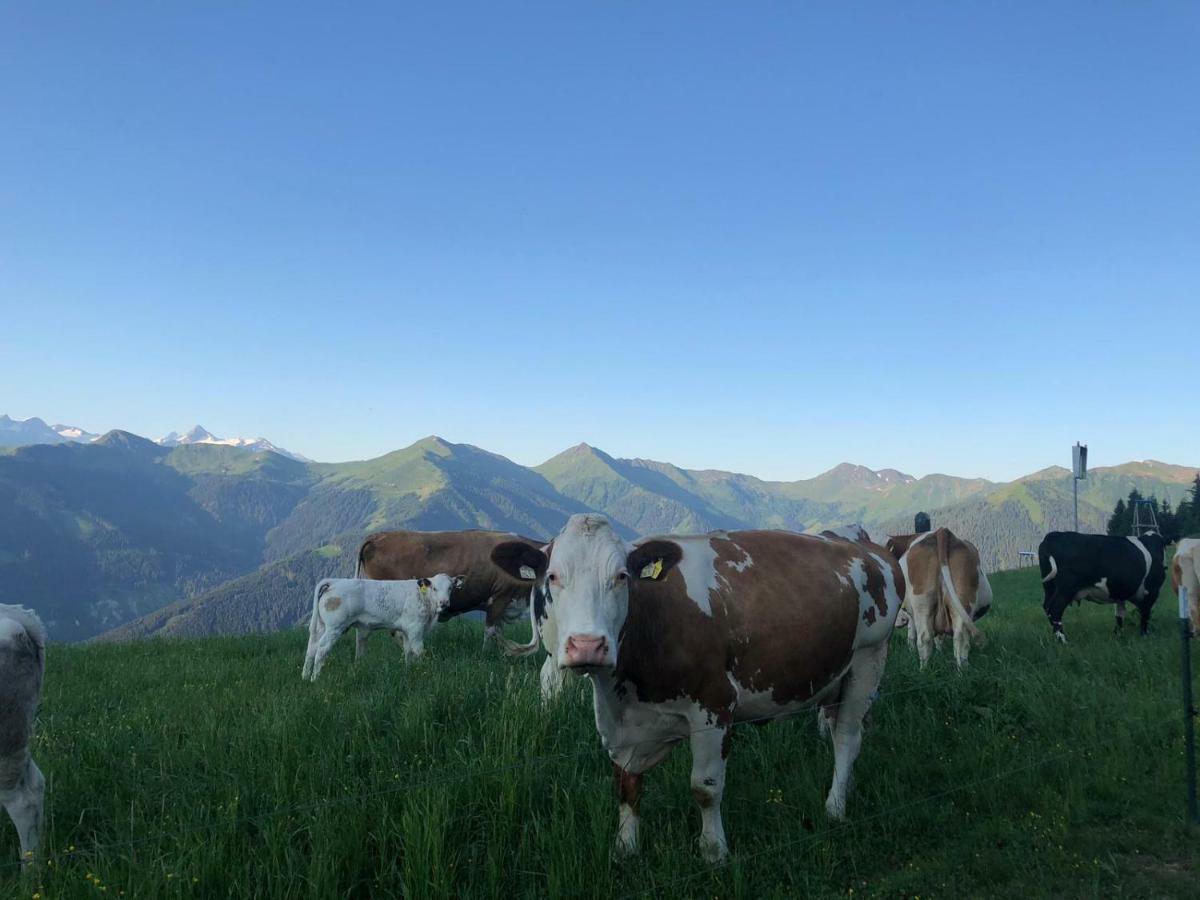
(99, 535)
(93, 535)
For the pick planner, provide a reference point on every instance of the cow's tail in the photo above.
(512, 648)
(358, 559)
(314, 624)
(1053, 573)
(956, 606)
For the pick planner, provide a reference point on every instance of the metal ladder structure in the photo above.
(1143, 517)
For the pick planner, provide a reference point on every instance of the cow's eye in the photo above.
(622, 576)
(552, 578)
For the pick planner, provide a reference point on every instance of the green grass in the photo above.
(206, 768)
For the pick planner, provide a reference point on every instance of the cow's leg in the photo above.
(629, 792)
(708, 786)
(360, 641)
(923, 610)
(859, 688)
(1054, 606)
(324, 645)
(489, 634)
(26, 805)
(552, 679)
(1144, 608)
(1119, 615)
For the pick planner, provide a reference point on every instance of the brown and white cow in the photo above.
(1185, 578)
(947, 590)
(683, 637)
(404, 555)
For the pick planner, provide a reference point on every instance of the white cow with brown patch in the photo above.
(22, 668)
(684, 637)
(408, 609)
(947, 590)
(1185, 578)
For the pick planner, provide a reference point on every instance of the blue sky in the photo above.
(762, 237)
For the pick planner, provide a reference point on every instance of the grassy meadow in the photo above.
(181, 768)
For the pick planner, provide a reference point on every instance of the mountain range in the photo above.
(19, 433)
(129, 536)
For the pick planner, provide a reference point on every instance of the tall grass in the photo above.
(207, 768)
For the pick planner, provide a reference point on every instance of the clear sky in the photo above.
(765, 237)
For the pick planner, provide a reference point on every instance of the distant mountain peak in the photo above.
(127, 440)
(198, 434)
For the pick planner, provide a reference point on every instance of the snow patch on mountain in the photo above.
(201, 435)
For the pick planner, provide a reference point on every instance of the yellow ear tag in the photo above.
(653, 570)
(423, 588)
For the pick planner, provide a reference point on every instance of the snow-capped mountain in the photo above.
(17, 432)
(22, 432)
(201, 435)
(74, 433)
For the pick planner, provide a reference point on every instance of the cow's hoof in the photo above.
(714, 852)
(624, 849)
(1062, 638)
(836, 808)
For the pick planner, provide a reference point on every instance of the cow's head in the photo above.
(586, 579)
(1153, 541)
(438, 589)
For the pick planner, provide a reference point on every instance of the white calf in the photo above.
(406, 608)
(22, 665)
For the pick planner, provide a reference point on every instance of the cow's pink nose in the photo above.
(587, 650)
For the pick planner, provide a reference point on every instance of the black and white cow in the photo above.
(1103, 569)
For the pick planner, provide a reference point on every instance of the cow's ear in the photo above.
(521, 561)
(423, 583)
(652, 560)
(459, 581)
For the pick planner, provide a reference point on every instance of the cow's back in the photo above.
(779, 612)
(401, 555)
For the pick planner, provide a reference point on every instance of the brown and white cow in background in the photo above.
(404, 555)
(1185, 576)
(683, 637)
(947, 590)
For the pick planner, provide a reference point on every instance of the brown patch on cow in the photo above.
(702, 797)
(404, 555)
(629, 787)
(333, 603)
(785, 624)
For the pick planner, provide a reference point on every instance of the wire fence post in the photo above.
(1189, 709)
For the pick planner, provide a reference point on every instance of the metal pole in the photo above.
(1189, 710)
(1075, 486)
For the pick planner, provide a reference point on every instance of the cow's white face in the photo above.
(588, 583)
(586, 577)
(439, 588)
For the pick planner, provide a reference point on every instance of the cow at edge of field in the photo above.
(401, 555)
(1185, 576)
(1103, 569)
(406, 608)
(947, 591)
(684, 637)
(22, 668)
